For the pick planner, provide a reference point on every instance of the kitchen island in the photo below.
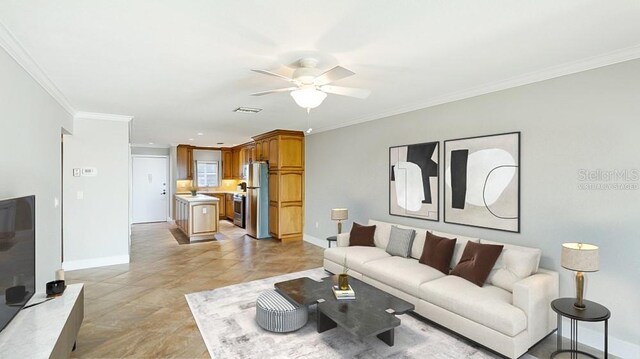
(197, 216)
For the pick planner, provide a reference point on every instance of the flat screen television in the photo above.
(17, 255)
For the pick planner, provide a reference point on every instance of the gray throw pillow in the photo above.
(400, 241)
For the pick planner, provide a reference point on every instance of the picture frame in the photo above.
(482, 181)
(414, 181)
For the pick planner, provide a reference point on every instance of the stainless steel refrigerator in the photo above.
(258, 200)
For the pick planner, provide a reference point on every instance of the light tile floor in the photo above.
(139, 310)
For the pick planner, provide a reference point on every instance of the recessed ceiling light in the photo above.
(191, 139)
(151, 143)
(247, 110)
(309, 130)
(200, 133)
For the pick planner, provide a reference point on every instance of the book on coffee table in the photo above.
(343, 294)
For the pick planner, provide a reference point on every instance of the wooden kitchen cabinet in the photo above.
(229, 206)
(258, 154)
(235, 162)
(184, 161)
(227, 164)
(265, 150)
(251, 154)
(285, 152)
(242, 161)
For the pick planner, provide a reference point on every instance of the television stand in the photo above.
(47, 330)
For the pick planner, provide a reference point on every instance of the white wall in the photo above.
(30, 129)
(96, 227)
(589, 120)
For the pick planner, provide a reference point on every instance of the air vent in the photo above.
(221, 143)
(247, 110)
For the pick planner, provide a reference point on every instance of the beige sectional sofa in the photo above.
(509, 314)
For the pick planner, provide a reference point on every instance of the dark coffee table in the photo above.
(373, 312)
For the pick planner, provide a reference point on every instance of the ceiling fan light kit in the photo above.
(312, 84)
(308, 97)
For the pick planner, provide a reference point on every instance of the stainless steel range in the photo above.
(238, 210)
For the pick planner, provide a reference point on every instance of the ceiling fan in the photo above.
(312, 84)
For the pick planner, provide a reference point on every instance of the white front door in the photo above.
(149, 189)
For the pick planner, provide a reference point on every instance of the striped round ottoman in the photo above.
(276, 314)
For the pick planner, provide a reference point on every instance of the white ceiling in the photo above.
(181, 67)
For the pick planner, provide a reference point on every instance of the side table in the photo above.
(332, 239)
(593, 312)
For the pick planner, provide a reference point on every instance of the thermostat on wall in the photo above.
(89, 171)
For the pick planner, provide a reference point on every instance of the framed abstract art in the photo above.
(414, 180)
(482, 181)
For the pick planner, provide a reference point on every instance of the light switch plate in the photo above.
(76, 172)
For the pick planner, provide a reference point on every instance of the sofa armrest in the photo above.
(343, 240)
(534, 295)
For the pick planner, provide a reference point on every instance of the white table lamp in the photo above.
(339, 214)
(580, 257)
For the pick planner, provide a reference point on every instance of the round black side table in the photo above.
(593, 312)
(332, 239)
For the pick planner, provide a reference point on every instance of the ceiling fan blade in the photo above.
(346, 91)
(265, 72)
(335, 74)
(274, 91)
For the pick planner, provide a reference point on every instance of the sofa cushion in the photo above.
(356, 256)
(437, 252)
(383, 232)
(477, 261)
(361, 235)
(489, 305)
(400, 241)
(418, 243)
(461, 242)
(514, 263)
(404, 274)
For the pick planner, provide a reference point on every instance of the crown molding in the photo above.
(590, 63)
(15, 49)
(101, 116)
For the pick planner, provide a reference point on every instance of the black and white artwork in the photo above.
(482, 181)
(413, 180)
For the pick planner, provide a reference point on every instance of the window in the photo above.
(207, 173)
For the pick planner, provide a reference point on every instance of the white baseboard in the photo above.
(595, 339)
(322, 243)
(94, 262)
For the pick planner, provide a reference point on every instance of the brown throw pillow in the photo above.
(437, 252)
(477, 261)
(361, 235)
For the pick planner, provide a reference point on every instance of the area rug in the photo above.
(226, 320)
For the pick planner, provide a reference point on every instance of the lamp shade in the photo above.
(308, 97)
(580, 257)
(339, 214)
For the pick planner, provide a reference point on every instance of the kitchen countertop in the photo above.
(214, 192)
(197, 198)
